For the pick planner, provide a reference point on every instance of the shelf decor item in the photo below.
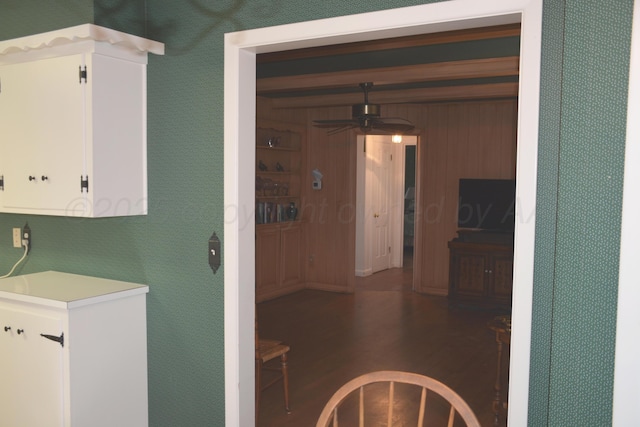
(292, 211)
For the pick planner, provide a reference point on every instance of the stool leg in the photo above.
(497, 399)
(285, 381)
(258, 387)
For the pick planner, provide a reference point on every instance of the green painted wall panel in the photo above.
(591, 158)
(583, 94)
(20, 18)
(546, 212)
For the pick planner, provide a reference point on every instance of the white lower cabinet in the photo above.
(72, 352)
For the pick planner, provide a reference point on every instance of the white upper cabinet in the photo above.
(73, 123)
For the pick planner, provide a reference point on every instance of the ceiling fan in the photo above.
(366, 117)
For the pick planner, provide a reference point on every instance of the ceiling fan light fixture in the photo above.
(365, 110)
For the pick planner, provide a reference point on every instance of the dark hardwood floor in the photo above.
(383, 325)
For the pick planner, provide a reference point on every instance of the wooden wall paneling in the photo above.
(434, 209)
(461, 140)
(489, 155)
(460, 161)
(508, 138)
(266, 110)
(466, 139)
(474, 152)
(331, 229)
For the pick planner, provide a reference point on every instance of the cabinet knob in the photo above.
(20, 331)
(44, 177)
(32, 178)
(7, 328)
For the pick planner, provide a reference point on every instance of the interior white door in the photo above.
(378, 182)
(31, 370)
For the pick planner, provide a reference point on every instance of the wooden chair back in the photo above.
(457, 404)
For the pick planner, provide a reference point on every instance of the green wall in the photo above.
(583, 93)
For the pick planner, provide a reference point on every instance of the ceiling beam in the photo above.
(467, 69)
(421, 95)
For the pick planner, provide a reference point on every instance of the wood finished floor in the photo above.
(383, 325)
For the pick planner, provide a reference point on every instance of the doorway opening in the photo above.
(240, 51)
(385, 200)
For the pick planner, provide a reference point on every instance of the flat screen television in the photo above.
(487, 204)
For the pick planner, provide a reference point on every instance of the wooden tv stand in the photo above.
(481, 269)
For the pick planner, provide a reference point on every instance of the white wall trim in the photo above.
(626, 386)
(239, 119)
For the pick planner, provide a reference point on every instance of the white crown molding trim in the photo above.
(80, 33)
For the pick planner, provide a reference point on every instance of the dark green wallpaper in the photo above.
(591, 156)
(584, 78)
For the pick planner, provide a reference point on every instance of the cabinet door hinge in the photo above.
(59, 339)
(84, 183)
(1, 182)
(82, 74)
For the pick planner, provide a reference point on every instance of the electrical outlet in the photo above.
(26, 237)
(17, 238)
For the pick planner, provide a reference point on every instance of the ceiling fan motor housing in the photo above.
(360, 111)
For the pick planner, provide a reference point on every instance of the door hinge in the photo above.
(1, 182)
(84, 183)
(82, 74)
(59, 339)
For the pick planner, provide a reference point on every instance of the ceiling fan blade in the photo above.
(342, 129)
(335, 123)
(392, 125)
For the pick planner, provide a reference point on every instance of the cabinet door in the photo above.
(291, 245)
(41, 123)
(267, 259)
(502, 277)
(31, 390)
(470, 274)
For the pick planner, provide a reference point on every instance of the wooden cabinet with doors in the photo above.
(279, 268)
(481, 272)
(279, 229)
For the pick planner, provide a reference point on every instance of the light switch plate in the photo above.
(214, 252)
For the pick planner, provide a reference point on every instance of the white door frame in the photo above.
(239, 157)
(626, 384)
